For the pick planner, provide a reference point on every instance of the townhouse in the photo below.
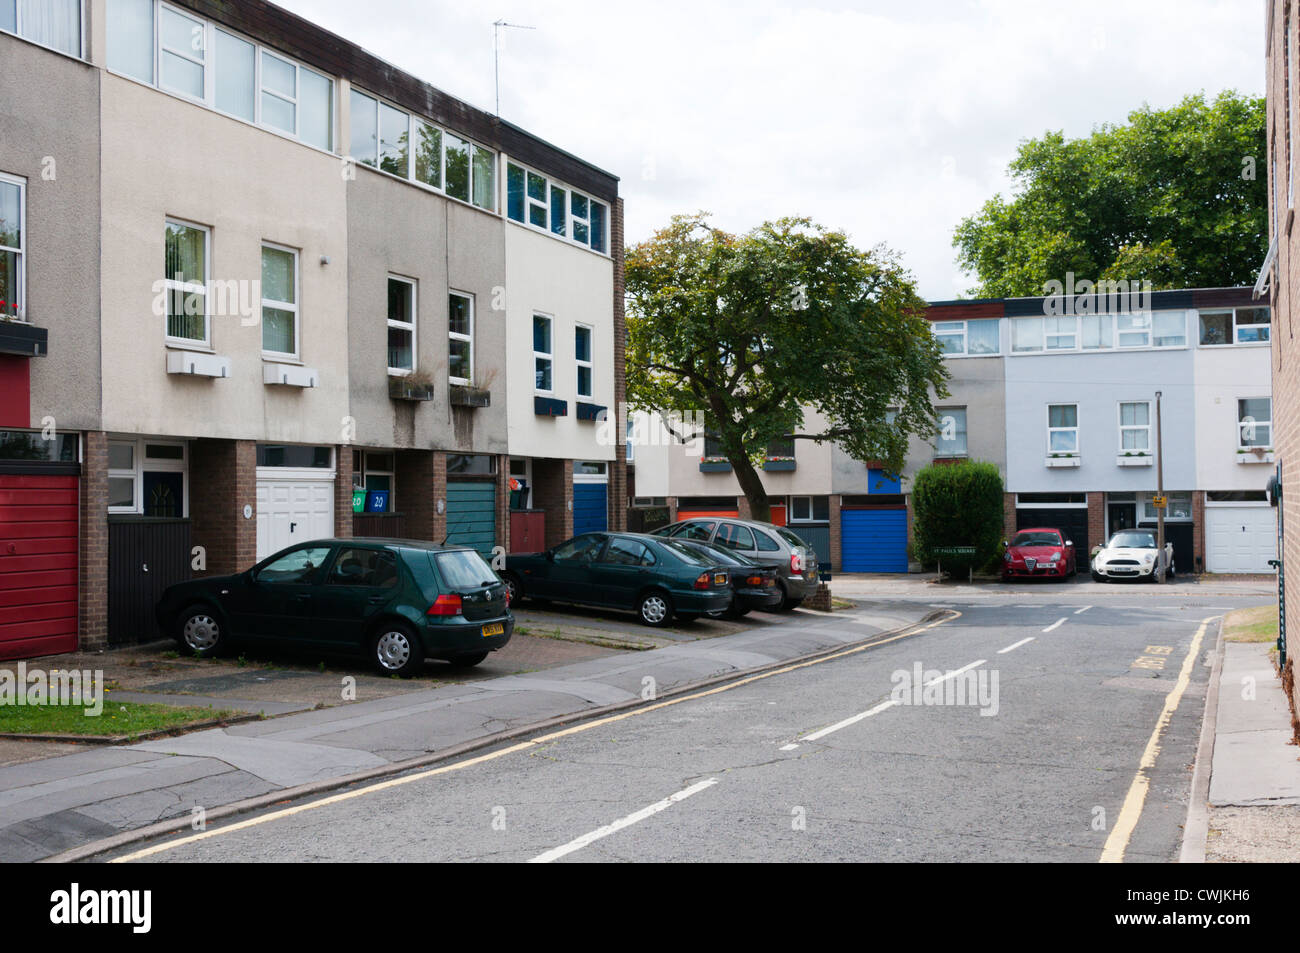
(262, 287)
(1060, 393)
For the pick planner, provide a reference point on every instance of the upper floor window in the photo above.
(13, 260)
(1135, 425)
(968, 337)
(460, 332)
(401, 325)
(543, 351)
(951, 440)
(279, 301)
(1091, 332)
(192, 57)
(52, 23)
(582, 355)
(1062, 428)
(1254, 422)
(1239, 326)
(185, 275)
(533, 199)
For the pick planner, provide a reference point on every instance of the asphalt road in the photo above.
(846, 759)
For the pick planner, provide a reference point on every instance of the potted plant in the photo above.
(414, 386)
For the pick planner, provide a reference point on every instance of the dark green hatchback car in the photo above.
(395, 601)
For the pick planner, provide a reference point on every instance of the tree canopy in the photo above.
(1177, 196)
(756, 330)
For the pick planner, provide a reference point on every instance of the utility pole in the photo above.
(1160, 496)
(496, 53)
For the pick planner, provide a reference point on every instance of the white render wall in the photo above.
(1223, 375)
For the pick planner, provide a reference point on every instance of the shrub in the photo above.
(957, 504)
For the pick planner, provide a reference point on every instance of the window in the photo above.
(279, 301)
(982, 337)
(1027, 334)
(363, 143)
(236, 68)
(460, 331)
(185, 273)
(542, 353)
(279, 93)
(1252, 325)
(484, 178)
(559, 220)
(734, 536)
(1135, 426)
(394, 142)
(428, 154)
(32, 446)
(589, 467)
(147, 477)
(1169, 329)
(401, 325)
(696, 529)
(1062, 428)
(1061, 334)
(52, 23)
(373, 568)
(952, 433)
(1254, 422)
(1179, 508)
(298, 567)
(951, 336)
(1242, 326)
(782, 447)
(296, 455)
(628, 442)
(130, 37)
(182, 53)
(373, 471)
(627, 552)
(585, 547)
(1095, 332)
(121, 477)
(480, 464)
(458, 172)
(810, 509)
(533, 199)
(13, 237)
(582, 354)
(1133, 330)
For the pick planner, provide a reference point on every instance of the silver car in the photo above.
(766, 543)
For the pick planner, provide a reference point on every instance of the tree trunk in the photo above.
(752, 486)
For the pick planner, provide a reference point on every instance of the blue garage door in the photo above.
(873, 540)
(472, 515)
(589, 513)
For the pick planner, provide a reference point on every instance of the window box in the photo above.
(290, 375)
(1060, 460)
(779, 464)
(22, 339)
(588, 411)
(197, 363)
(409, 387)
(466, 395)
(1134, 460)
(1255, 455)
(550, 407)
(715, 465)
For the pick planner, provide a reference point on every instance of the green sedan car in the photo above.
(394, 601)
(657, 578)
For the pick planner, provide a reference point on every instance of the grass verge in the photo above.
(1257, 624)
(117, 719)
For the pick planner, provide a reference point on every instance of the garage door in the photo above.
(589, 508)
(873, 540)
(1071, 521)
(472, 514)
(293, 511)
(1240, 538)
(38, 565)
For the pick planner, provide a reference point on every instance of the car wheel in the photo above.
(468, 661)
(394, 650)
(201, 631)
(655, 609)
(514, 588)
(1098, 577)
(788, 603)
(1172, 571)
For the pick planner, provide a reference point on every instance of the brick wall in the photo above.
(1096, 526)
(553, 494)
(1198, 534)
(617, 490)
(92, 547)
(419, 482)
(343, 492)
(835, 502)
(223, 480)
(503, 503)
(1008, 514)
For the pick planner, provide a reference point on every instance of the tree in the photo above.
(1174, 197)
(754, 331)
(957, 505)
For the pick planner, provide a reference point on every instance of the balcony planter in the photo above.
(467, 395)
(22, 339)
(715, 465)
(1063, 460)
(586, 411)
(1255, 455)
(1134, 460)
(779, 464)
(550, 407)
(410, 388)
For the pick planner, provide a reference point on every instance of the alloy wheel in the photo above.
(654, 609)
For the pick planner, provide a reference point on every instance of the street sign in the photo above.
(954, 551)
(1159, 502)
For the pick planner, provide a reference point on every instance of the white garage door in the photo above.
(293, 511)
(1240, 538)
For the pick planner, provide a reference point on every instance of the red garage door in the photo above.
(38, 565)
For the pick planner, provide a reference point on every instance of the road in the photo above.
(840, 760)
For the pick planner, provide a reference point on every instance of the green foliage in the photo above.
(957, 504)
(1178, 197)
(756, 330)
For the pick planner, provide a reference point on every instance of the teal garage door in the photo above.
(873, 540)
(472, 515)
(589, 508)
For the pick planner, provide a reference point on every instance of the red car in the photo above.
(1039, 552)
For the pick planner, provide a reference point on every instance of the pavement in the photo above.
(67, 799)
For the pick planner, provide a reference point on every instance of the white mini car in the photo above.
(1130, 554)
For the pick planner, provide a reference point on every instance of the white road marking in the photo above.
(789, 747)
(1017, 645)
(1055, 625)
(1082, 611)
(851, 721)
(954, 673)
(637, 816)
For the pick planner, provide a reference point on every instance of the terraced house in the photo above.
(262, 287)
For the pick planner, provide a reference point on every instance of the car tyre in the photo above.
(655, 609)
(201, 631)
(1098, 577)
(514, 587)
(395, 650)
(788, 603)
(468, 661)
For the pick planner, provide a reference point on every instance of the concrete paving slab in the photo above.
(588, 690)
(281, 762)
(1255, 762)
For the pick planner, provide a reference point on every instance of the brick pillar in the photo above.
(343, 492)
(223, 480)
(617, 492)
(1096, 526)
(92, 546)
(1008, 515)
(503, 502)
(1198, 534)
(419, 483)
(835, 502)
(553, 494)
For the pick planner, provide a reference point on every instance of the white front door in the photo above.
(293, 511)
(1240, 538)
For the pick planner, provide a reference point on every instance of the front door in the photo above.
(1120, 516)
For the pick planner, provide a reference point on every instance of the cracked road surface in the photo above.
(1023, 738)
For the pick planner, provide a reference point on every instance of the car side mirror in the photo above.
(550, 555)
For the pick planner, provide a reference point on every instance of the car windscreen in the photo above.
(688, 554)
(1036, 539)
(464, 569)
(1132, 541)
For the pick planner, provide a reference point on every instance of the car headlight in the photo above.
(1149, 558)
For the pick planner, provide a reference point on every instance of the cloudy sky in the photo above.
(889, 119)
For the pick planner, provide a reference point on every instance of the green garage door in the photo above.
(471, 515)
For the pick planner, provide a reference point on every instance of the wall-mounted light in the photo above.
(324, 259)
(441, 506)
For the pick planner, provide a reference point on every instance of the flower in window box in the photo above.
(780, 459)
(714, 459)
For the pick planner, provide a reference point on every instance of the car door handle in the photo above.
(377, 600)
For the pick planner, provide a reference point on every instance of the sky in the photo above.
(891, 120)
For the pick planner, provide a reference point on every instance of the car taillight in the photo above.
(754, 581)
(702, 581)
(445, 605)
(796, 561)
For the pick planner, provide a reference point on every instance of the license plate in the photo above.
(496, 628)
(720, 579)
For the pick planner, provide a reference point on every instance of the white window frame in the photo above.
(171, 284)
(467, 338)
(548, 356)
(1053, 430)
(589, 364)
(263, 90)
(1021, 322)
(1149, 513)
(570, 219)
(21, 250)
(944, 330)
(965, 451)
(366, 470)
(1146, 331)
(1067, 329)
(1122, 427)
(204, 64)
(1254, 422)
(140, 462)
(81, 32)
(629, 452)
(296, 353)
(795, 517)
(1155, 315)
(1267, 325)
(403, 325)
